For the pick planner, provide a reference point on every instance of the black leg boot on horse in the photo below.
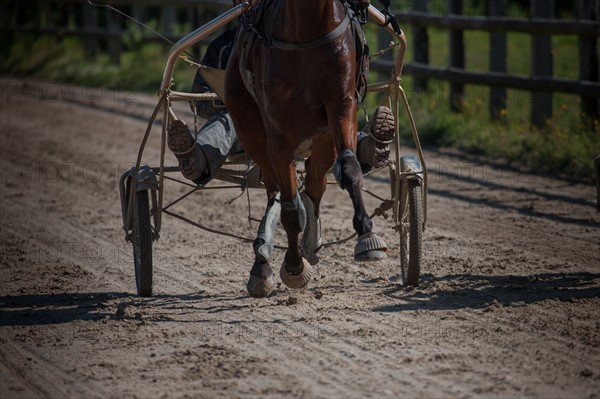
(369, 247)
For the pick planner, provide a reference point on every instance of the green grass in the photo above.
(566, 146)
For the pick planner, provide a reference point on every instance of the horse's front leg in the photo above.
(261, 282)
(296, 271)
(349, 175)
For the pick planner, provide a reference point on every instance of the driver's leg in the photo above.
(201, 158)
(373, 149)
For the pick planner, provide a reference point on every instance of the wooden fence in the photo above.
(102, 27)
(541, 25)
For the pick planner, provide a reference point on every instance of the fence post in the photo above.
(497, 8)
(420, 45)
(541, 63)
(71, 16)
(4, 13)
(195, 14)
(90, 21)
(383, 40)
(588, 58)
(14, 14)
(457, 57)
(168, 18)
(138, 12)
(114, 40)
(43, 10)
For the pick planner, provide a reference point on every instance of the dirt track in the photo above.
(509, 305)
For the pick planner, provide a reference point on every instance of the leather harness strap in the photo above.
(314, 43)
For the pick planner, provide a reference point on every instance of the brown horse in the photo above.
(292, 78)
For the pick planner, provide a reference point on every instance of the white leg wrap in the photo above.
(263, 244)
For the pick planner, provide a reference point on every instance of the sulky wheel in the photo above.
(141, 238)
(411, 234)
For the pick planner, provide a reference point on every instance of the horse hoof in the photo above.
(297, 281)
(313, 259)
(261, 282)
(370, 247)
(370, 256)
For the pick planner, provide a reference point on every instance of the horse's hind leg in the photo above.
(317, 166)
(349, 175)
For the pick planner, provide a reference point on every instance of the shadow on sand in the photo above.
(461, 291)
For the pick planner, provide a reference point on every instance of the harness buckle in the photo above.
(362, 16)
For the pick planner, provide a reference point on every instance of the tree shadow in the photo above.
(463, 291)
(520, 183)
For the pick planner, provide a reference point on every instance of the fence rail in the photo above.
(495, 79)
(541, 26)
(502, 24)
(100, 24)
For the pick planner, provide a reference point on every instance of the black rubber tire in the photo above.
(411, 236)
(141, 238)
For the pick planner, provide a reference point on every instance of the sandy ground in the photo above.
(509, 304)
